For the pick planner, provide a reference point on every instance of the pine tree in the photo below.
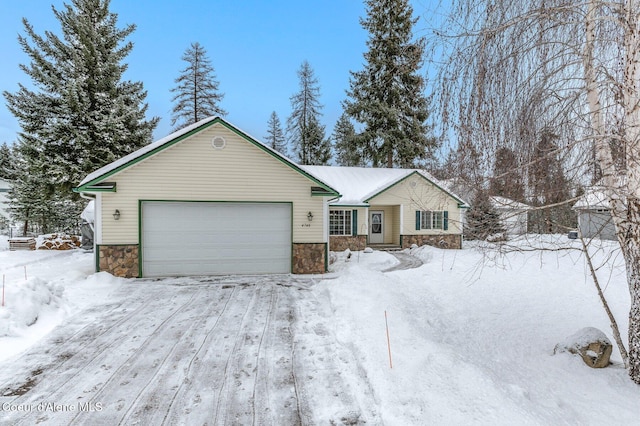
(7, 166)
(550, 187)
(80, 115)
(507, 179)
(345, 143)
(197, 94)
(30, 197)
(387, 97)
(482, 220)
(306, 135)
(319, 147)
(275, 135)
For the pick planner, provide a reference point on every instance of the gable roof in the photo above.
(94, 182)
(358, 185)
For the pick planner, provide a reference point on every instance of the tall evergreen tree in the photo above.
(80, 115)
(275, 135)
(387, 96)
(306, 134)
(7, 166)
(197, 94)
(319, 147)
(507, 178)
(550, 188)
(345, 143)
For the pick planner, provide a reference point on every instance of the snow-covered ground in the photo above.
(471, 336)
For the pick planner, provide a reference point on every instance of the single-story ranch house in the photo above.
(210, 199)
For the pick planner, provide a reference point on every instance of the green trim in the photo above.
(100, 187)
(418, 220)
(317, 191)
(401, 240)
(86, 187)
(354, 223)
(445, 220)
(337, 206)
(326, 257)
(140, 224)
(460, 202)
(97, 259)
(140, 258)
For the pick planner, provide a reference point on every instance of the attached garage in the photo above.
(208, 200)
(205, 238)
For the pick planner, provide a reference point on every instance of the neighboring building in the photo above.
(4, 199)
(594, 214)
(210, 199)
(398, 207)
(513, 214)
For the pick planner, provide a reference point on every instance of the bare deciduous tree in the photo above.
(516, 69)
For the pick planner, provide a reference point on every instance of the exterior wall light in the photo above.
(116, 215)
(309, 216)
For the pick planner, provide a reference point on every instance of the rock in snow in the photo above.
(591, 344)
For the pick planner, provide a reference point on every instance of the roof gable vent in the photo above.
(218, 142)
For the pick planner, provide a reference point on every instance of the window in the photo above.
(431, 219)
(340, 222)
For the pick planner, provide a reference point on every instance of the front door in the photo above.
(376, 227)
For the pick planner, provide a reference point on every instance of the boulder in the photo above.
(593, 346)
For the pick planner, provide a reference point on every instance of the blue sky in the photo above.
(255, 46)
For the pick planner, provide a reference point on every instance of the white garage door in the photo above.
(200, 238)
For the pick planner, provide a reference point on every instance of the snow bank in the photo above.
(26, 302)
(472, 334)
(58, 284)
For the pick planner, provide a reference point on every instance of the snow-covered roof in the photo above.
(596, 197)
(358, 184)
(502, 203)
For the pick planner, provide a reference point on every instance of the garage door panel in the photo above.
(183, 238)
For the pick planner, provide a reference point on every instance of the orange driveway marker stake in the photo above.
(388, 341)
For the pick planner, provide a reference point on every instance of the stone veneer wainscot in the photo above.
(341, 243)
(119, 260)
(309, 258)
(446, 241)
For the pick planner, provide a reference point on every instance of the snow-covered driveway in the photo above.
(229, 350)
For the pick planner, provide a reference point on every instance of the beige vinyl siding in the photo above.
(421, 195)
(395, 226)
(192, 170)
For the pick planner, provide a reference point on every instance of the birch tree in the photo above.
(514, 69)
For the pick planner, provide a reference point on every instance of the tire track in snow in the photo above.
(189, 373)
(195, 402)
(134, 372)
(85, 337)
(239, 377)
(95, 373)
(146, 409)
